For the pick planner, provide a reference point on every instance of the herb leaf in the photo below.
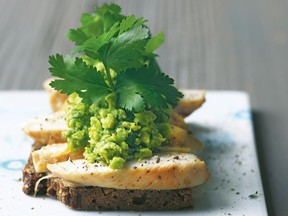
(109, 14)
(78, 77)
(154, 43)
(135, 88)
(92, 24)
(93, 44)
(77, 36)
(126, 49)
(129, 22)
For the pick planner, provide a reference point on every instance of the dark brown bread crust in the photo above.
(30, 177)
(99, 198)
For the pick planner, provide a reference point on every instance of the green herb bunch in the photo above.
(125, 48)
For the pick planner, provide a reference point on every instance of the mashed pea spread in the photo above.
(113, 135)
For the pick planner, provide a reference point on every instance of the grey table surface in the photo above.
(211, 44)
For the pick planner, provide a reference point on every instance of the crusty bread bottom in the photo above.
(30, 177)
(99, 198)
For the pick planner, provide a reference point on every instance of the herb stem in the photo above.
(110, 81)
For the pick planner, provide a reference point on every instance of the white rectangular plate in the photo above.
(223, 123)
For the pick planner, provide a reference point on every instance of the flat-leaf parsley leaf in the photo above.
(78, 77)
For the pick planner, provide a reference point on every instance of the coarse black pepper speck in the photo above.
(158, 159)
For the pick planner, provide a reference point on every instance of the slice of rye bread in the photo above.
(100, 198)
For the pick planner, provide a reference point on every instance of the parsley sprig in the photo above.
(123, 44)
